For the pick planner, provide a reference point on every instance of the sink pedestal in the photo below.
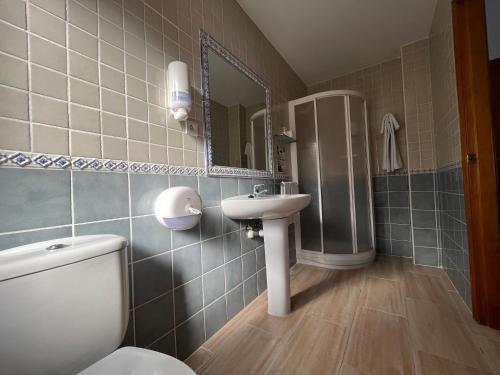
(277, 266)
(274, 211)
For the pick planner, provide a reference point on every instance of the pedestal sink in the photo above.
(274, 210)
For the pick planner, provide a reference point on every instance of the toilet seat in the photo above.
(135, 361)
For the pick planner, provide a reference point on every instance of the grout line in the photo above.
(161, 338)
(437, 220)
(5, 22)
(68, 109)
(19, 59)
(408, 174)
(35, 229)
(132, 283)
(30, 105)
(171, 239)
(99, 80)
(201, 260)
(68, 88)
(85, 7)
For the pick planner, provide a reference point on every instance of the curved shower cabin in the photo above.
(331, 161)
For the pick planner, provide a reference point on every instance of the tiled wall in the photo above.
(87, 77)
(406, 217)
(453, 229)
(382, 86)
(452, 223)
(444, 87)
(493, 28)
(424, 216)
(185, 285)
(392, 215)
(428, 214)
(415, 58)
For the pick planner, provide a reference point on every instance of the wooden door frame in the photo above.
(478, 158)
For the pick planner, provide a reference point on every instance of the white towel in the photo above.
(248, 153)
(391, 158)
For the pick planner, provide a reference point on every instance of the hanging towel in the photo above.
(391, 158)
(248, 153)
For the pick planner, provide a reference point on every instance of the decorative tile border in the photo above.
(48, 161)
(421, 171)
(238, 172)
(283, 177)
(405, 172)
(449, 166)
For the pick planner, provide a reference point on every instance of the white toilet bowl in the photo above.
(135, 361)
(65, 302)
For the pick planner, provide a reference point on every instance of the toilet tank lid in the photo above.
(41, 256)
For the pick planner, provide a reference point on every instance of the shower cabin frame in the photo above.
(322, 259)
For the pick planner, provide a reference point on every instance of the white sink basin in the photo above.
(266, 207)
(274, 210)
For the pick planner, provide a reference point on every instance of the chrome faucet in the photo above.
(259, 190)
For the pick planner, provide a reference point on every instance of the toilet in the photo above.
(64, 310)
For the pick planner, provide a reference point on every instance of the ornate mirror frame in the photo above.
(207, 43)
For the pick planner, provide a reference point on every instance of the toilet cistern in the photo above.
(65, 308)
(275, 211)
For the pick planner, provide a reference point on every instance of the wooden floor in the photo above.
(390, 318)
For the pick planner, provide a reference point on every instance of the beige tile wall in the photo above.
(382, 85)
(444, 88)
(415, 60)
(87, 77)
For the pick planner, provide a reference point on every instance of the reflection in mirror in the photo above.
(236, 112)
(237, 109)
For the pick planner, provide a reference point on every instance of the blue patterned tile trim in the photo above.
(48, 161)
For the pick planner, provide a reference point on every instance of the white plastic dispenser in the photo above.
(178, 208)
(179, 97)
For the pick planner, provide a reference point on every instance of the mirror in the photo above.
(236, 106)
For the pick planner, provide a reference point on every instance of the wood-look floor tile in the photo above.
(199, 359)
(428, 364)
(438, 332)
(425, 287)
(436, 329)
(303, 277)
(379, 344)
(384, 295)
(467, 319)
(234, 323)
(433, 271)
(246, 350)
(349, 370)
(384, 268)
(316, 347)
(490, 350)
(279, 327)
(447, 283)
(336, 298)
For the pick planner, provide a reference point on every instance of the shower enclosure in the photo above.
(331, 161)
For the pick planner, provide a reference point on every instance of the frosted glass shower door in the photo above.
(331, 161)
(310, 217)
(360, 174)
(334, 165)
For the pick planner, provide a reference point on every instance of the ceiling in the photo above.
(323, 39)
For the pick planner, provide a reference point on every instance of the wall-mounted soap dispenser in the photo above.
(178, 208)
(179, 96)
